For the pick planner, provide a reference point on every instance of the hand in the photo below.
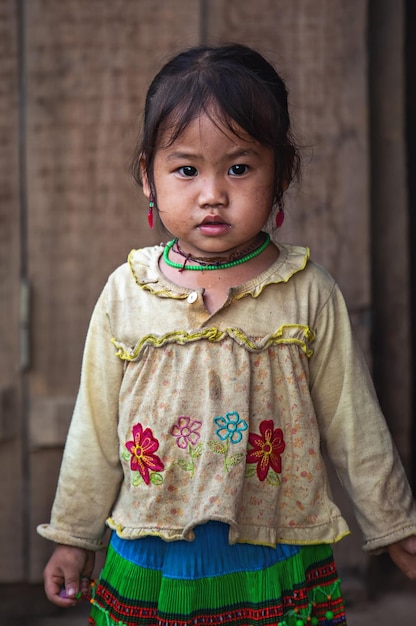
(403, 553)
(69, 568)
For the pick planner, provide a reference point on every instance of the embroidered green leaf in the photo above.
(126, 455)
(197, 451)
(156, 478)
(185, 465)
(217, 447)
(250, 471)
(235, 459)
(136, 479)
(273, 479)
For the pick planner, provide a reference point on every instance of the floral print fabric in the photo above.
(254, 459)
(266, 447)
(142, 450)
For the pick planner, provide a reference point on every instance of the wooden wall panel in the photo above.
(89, 65)
(390, 223)
(319, 47)
(11, 498)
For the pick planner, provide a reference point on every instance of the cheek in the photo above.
(173, 219)
(264, 197)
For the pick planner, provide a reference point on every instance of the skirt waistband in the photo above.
(210, 554)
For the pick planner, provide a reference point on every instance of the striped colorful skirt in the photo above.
(207, 581)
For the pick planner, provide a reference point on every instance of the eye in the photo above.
(238, 170)
(188, 171)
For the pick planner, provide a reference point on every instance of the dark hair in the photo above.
(235, 83)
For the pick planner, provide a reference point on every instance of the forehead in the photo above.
(206, 129)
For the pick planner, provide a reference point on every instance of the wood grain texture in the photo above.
(11, 463)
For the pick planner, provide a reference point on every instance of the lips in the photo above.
(210, 220)
(214, 226)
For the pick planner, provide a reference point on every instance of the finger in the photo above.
(89, 564)
(71, 587)
(86, 575)
(85, 586)
(53, 591)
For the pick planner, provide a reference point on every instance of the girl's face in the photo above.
(214, 189)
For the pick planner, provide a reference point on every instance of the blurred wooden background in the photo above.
(73, 77)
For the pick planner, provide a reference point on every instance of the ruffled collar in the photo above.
(144, 266)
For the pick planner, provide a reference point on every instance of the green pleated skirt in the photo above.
(156, 583)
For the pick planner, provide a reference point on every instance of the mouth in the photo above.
(214, 226)
(213, 220)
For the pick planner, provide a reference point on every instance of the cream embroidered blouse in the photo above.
(185, 416)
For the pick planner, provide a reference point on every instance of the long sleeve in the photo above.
(355, 432)
(91, 473)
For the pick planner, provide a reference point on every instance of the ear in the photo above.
(280, 190)
(145, 179)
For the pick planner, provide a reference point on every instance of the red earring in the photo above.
(280, 215)
(150, 217)
(280, 218)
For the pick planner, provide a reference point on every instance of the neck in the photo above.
(216, 263)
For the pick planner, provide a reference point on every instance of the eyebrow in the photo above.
(233, 154)
(173, 156)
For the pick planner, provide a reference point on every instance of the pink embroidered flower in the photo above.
(186, 432)
(266, 450)
(142, 449)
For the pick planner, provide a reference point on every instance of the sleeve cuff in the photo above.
(59, 536)
(380, 544)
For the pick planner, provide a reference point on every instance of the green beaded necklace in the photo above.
(216, 266)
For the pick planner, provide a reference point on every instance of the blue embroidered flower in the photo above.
(230, 427)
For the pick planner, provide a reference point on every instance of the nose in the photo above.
(213, 192)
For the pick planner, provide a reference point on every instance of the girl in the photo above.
(214, 367)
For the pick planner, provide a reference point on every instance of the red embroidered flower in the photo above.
(142, 451)
(267, 448)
